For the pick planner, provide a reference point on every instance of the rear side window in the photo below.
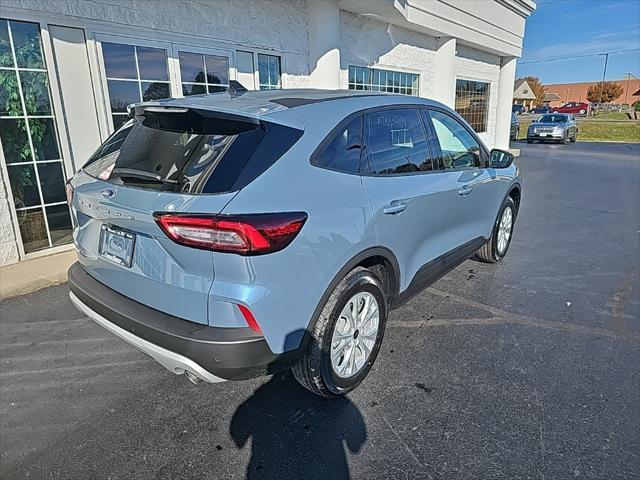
(172, 155)
(397, 142)
(342, 153)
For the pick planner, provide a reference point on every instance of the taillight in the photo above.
(253, 234)
(68, 189)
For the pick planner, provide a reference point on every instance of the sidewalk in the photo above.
(31, 275)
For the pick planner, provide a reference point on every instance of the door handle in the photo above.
(464, 191)
(394, 208)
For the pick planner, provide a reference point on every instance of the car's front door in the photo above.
(411, 199)
(475, 186)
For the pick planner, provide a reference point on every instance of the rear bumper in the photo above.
(213, 354)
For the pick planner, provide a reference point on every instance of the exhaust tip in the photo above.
(193, 378)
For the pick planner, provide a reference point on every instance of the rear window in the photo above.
(173, 153)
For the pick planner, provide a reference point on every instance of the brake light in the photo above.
(254, 234)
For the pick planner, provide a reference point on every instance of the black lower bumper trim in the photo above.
(228, 353)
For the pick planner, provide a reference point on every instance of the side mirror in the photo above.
(500, 158)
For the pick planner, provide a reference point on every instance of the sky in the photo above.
(570, 28)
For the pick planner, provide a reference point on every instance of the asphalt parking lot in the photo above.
(527, 369)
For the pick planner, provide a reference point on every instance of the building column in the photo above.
(444, 81)
(505, 101)
(324, 38)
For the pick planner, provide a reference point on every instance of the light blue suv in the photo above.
(238, 234)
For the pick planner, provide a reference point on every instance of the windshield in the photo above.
(552, 119)
(173, 156)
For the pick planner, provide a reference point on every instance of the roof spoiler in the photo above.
(192, 120)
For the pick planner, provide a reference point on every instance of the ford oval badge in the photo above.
(107, 193)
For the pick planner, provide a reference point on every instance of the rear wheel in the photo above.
(496, 247)
(346, 338)
(582, 111)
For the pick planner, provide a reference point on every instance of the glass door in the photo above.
(133, 73)
(31, 151)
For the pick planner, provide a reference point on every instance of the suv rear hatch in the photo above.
(166, 159)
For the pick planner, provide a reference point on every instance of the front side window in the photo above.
(397, 143)
(343, 152)
(459, 148)
(269, 72)
(472, 102)
(202, 73)
(30, 141)
(376, 80)
(134, 74)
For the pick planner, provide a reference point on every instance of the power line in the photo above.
(578, 56)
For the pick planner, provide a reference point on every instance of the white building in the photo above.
(68, 68)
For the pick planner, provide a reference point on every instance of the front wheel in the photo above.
(582, 111)
(346, 338)
(496, 247)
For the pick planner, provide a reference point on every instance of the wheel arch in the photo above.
(368, 258)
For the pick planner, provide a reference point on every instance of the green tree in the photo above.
(604, 92)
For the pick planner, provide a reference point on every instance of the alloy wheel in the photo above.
(354, 335)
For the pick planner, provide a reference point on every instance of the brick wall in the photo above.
(365, 41)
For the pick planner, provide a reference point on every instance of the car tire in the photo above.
(494, 250)
(574, 138)
(582, 111)
(529, 141)
(315, 370)
(564, 139)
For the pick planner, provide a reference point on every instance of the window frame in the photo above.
(380, 68)
(488, 101)
(484, 152)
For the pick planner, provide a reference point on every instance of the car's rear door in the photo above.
(411, 199)
(475, 186)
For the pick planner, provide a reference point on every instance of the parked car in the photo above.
(575, 108)
(541, 110)
(515, 127)
(557, 127)
(518, 109)
(232, 235)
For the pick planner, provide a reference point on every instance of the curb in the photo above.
(31, 275)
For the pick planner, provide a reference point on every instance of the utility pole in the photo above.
(626, 93)
(604, 75)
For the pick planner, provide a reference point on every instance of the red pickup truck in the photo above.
(577, 108)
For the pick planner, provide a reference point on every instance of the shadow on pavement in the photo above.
(296, 434)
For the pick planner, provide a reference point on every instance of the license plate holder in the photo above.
(116, 245)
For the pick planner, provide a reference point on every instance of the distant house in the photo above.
(522, 94)
(552, 99)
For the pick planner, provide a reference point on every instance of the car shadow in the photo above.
(295, 433)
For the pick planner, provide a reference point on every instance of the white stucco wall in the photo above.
(472, 64)
(367, 42)
(276, 25)
(8, 247)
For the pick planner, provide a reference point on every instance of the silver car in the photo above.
(238, 234)
(555, 127)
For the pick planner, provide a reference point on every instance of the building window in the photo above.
(361, 78)
(134, 74)
(472, 102)
(201, 73)
(268, 72)
(29, 139)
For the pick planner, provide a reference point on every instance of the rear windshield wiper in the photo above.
(142, 175)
